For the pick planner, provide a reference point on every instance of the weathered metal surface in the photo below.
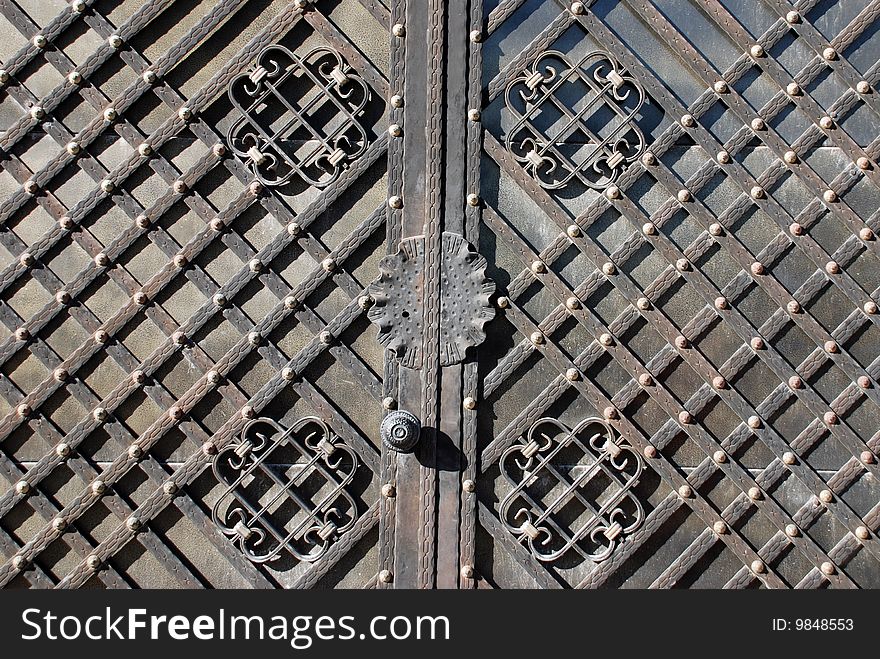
(679, 218)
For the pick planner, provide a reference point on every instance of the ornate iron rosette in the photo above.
(299, 116)
(575, 120)
(284, 490)
(464, 301)
(571, 490)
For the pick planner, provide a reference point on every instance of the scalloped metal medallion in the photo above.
(464, 303)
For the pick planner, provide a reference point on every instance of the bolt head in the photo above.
(862, 87)
(723, 157)
(650, 452)
(719, 382)
(795, 382)
(685, 492)
(328, 264)
(22, 334)
(649, 229)
(385, 576)
(133, 523)
(473, 200)
(612, 192)
(610, 413)
(388, 490)
(649, 159)
(467, 571)
(101, 336)
(325, 337)
(646, 380)
(792, 17)
(93, 562)
(398, 30)
(862, 533)
(867, 457)
(537, 338)
(31, 187)
(829, 54)
(790, 157)
(572, 375)
(755, 493)
(792, 531)
(789, 458)
(145, 149)
(720, 527)
(829, 196)
(254, 338)
(389, 403)
(59, 524)
(573, 231)
(184, 113)
(756, 51)
(685, 417)
(291, 303)
(826, 123)
(99, 414)
(397, 101)
(395, 130)
(135, 452)
(606, 339)
(395, 202)
(758, 124)
(4, 76)
(687, 121)
(826, 496)
(40, 41)
(255, 265)
(469, 486)
(78, 6)
(110, 114)
(149, 76)
(18, 562)
(870, 307)
(476, 36)
(719, 457)
(577, 8)
(827, 568)
(470, 403)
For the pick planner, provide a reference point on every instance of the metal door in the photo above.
(463, 293)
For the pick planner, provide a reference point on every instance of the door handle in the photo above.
(400, 431)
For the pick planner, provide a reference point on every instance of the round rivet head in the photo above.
(650, 452)
(476, 36)
(62, 450)
(606, 339)
(395, 130)
(31, 187)
(133, 523)
(790, 157)
(538, 267)
(829, 54)
(40, 41)
(646, 380)
(26, 259)
(184, 113)
(294, 228)
(149, 76)
(389, 403)
(99, 487)
(796, 229)
(687, 121)
(78, 6)
(685, 492)
(723, 157)
(22, 487)
(179, 338)
(862, 533)
(572, 374)
(826, 123)
(683, 265)
(397, 101)
(870, 307)
(247, 412)
(254, 338)
(219, 299)
(328, 264)
(473, 200)
(395, 202)
(537, 338)
(170, 488)
(649, 159)
(74, 77)
(684, 196)
(469, 485)
(609, 269)
(365, 301)
(789, 458)
(135, 452)
(101, 336)
(60, 374)
(719, 457)
(107, 185)
(831, 347)
(110, 114)
(59, 524)
(721, 303)
(685, 417)
(138, 377)
(681, 342)
(864, 382)
(793, 17)
(720, 527)
(755, 493)
(115, 41)
(792, 531)
(754, 422)
(757, 192)
(400, 431)
(612, 192)
(793, 306)
(720, 87)
(757, 343)
(388, 490)
(469, 403)
(826, 496)
(73, 148)
(217, 224)
(209, 448)
(398, 30)
(793, 89)
(145, 149)
(862, 87)
(467, 571)
(219, 150)
(719, 382)
(867, 457)
(758, 567)
(288, 373)
(4, 76)
(175, 412)
(866, 234)
(795, 382)
(830, 418)
(827, 568)
(18, 562)
(22, 334)
(255, 265)
(716, 229)
(99, 414)
(291, 303)
(179, 260)
(756, 51)
(577, 8)
(326, 337)
(758, 124)
(610, 413)
(758, 268)
(385, 576)
(573, 231)
(179, 186)
(649, 229)
(643, 303)
(93, 562)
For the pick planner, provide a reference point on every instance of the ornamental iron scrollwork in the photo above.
(464, 300)
(571, 490)
(284, 490)
(575, 120)
(299, 116)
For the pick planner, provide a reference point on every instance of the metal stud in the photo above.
(254, 338)
(796, 229)
(754, 422)
(685, 417)
(719, 382)
(866, 234)
(115, 41)
(145, 149)
(610, 413)
(758, 567)
(22, 487)
(170, 488)
(687, 121)
(578, 8)
(395, 202)
(793, 17)
(757, 192)
(826, 496)
(757, 343)
(107, 186)
(133, 523)
(831, 347)
(209, 448)
(720, 527)
(469, 485)
(40, 41)
(294, 228)
(4, 76)
(609, 269)
(179, 186)
(503, 302)
(101, 336)
(60, 374)
(649, 159)
(179, 260)
(720, 87)
(99, 414)
(138, 376)
(288, 373)
(537, 338)
(389, 403)
(538, 267)
(756, 51)
(832, 268)
(646, 380)
(469, 403)
(683, 265)
(255, 188)
(573, 231)
(255, 265)
(73, 148)
(862, 533)
(385, 576)
(328, 264)
(755, 493)
(792, 531)
(685, 492)
(74, 77)
(864, 382)
(827, 568)
(758, 124)
(723, 157)
(572, 374)
(649, 229)
(612, 192)
(93, 562)
(184, 113)
(716, 229)
(22, 334)
(795, 382)
(149, 76)
(110, 114)
(793, 307)
(684, 196)
(395, 130)
(681, 342)
(719, 457)
(326, 337)
(397, 101)
(758, 268)
(790, 157)
(650, 452)
(863, 87)
(59, 524)
(826, 123)
(31, 187)
(26, 259)
(793, 89)
(217, 224)
(606, 339)
(870, 307)
(291, 303)
(18, 562)
(79, 6)
(476, 36)
(398, 30)
(388, 490)
(365, 301)
(643, 303)
(247, 412)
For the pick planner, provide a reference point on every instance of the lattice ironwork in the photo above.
(282, 99)
(570, 488)
(574, 120)
(274, 502)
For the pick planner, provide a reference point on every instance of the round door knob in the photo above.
(400, 431)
